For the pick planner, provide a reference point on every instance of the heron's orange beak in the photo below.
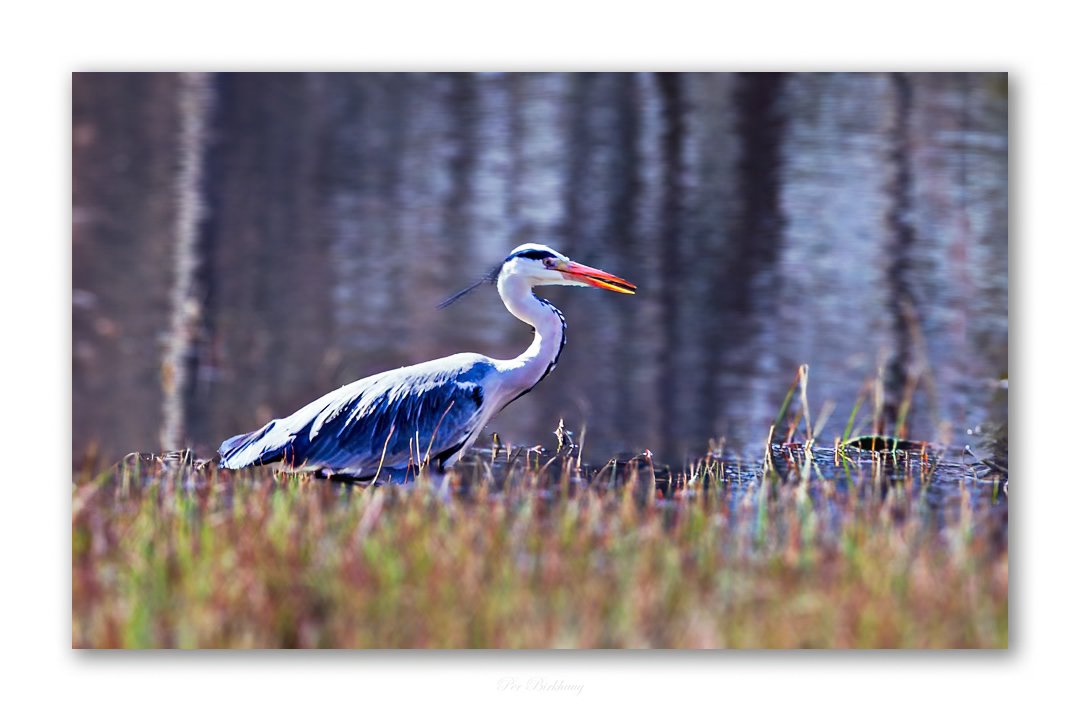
(595, 277)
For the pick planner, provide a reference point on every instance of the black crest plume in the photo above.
(490, 277)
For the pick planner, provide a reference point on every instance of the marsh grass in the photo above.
(815, 548)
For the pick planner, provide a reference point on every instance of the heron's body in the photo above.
(429, 412)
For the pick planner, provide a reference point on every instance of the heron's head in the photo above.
(537, 264)
(541, 265)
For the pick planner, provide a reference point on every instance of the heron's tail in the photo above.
(251, 449)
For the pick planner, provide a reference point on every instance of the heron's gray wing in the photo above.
(425, 411)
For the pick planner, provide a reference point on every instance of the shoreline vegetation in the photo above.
(879, 549)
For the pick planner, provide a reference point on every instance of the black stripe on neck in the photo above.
(554, 361)
(562, 339)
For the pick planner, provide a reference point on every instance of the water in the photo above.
(939, 487)
(853, 222)
(943, 483)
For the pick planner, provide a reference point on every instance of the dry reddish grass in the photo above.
(260, 559)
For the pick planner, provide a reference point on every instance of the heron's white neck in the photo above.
(526, 370)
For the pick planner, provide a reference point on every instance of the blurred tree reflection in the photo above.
(846, 221)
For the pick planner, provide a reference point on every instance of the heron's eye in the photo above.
(549, 262)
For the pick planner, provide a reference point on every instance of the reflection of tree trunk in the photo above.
(596, 181)
(898, 258)
(124, 131)
(194, 104)
(760, 128)
(672, 145)
(626, 197)
(576, 187)
(462, 102)
(756, 230)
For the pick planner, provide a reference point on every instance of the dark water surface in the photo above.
(853, 222)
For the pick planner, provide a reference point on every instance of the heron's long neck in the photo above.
(540, 357)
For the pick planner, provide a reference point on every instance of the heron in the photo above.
(430, 413)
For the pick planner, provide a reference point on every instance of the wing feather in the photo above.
(431, 409)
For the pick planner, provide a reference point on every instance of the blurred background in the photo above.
(243, 243)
